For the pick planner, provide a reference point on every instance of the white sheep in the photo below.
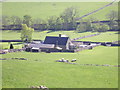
(73, 60)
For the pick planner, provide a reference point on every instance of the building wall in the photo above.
(68, 44)
(66, 47)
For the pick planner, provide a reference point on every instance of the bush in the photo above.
(98, 27)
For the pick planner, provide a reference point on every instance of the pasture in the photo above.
(41, 69)
(15, 35)
(106, 36)
(44, 10)
(6, 45)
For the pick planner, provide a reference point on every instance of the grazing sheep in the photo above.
(43, 87)
(22, 59)
(62, 60)
(73, 60)
(59, 60)
(40, 87)
(65, 60)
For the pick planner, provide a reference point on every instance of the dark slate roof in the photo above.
(56, 40)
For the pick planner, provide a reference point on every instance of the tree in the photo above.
(15, 20)
(69, 17)
(52, 22)
(100, 27)
(104, 28)
(113, 25)
(81, 27)
(95, 27)
(58, 23)
(88, 25)
(26, 33)
(112, 16)
(5, 20)
(39, 24)
(27, 20)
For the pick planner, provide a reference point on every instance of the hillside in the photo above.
(45, 9)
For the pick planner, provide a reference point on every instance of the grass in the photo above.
(45, 9)
(41, 69)
(103, 37)
(6, 45)
(10, 34)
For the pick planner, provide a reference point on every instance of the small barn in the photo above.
(60, 42)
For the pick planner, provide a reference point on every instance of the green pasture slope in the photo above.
(45, 9)
(41, 69)
(103, 37)
(6, 45)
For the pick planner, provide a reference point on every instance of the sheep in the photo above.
(43, 87)
(59, 61)
(40, 87)
(73, 60)
(62, 60)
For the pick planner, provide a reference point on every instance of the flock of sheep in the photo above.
(67, 61)
(40, 87)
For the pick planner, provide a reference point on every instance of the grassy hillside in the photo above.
(103, 37)
(41, 69)
(45, 9)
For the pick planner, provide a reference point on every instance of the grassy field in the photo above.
(6, 45)
(103, 37)
(45, 9)
(41, 69)
(107, 36)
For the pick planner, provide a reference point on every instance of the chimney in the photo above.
(59, 35)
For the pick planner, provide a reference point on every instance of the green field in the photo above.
(45, 9)
(103, 37)
(6, 45)
(107, 36)
(41, 69)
